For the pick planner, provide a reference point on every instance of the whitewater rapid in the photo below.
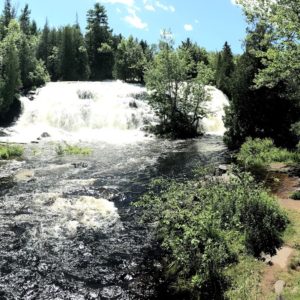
(67, 228)
(111, 111)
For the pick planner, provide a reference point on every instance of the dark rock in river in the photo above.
(45, 135)
(133, 104)
(80, 165)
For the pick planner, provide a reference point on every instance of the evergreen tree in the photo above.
(196, 55)
(261, 112)
(24, 20)
(10, 72)
(130, 60)
(44, 50)
(224, 69)
(67, 55)
(8, 14)
(99, 41)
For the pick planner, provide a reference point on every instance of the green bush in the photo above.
(296, 195)
(204, 226)
(72, 150)
(255, 155)
(10, 151)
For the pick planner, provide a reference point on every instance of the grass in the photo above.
(245, 279)
(256, 155)
(72, 150)
(11, 151)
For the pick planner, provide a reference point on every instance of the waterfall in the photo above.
(88, 111)
(84, 111)
(213, 123)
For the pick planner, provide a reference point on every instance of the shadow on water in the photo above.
(69, 231)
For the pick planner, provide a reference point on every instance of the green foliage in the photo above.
(207, 226)
(67, 149)
(98, 38)
(245, 279)
(177, 99)
(224, 69)
(130, 60)
(281, 59)
(296, 195)
(196, 55)
(256, 155)
(10, 151)
(259, 112)
(10, 69)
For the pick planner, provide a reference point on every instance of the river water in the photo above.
(67, 228)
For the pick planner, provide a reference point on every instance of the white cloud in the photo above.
(124, 2)
(188, 27)
(134, 20)
(118, 10)
(149, 7)
(170, 8)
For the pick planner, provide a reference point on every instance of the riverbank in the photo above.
(281, 276)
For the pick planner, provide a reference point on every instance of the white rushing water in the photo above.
(91, 111)
(213, 124)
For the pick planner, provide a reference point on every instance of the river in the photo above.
(67, 228)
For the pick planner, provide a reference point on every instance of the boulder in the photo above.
(45, 135)
(222, 169)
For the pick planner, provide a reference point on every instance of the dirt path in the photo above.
(279, 262)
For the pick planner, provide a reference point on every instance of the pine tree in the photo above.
(24, 20)
(224, 70)
(8, 14)
(258, 112)
(99, 41)
(44, 50)
(10, 72)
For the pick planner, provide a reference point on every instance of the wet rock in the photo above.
(80, 165)
(2, 133)
(34, 142)
(45, 135)
(222, 169)
(133, 104)
(24, 175)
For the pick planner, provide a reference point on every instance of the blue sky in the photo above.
(208, 22)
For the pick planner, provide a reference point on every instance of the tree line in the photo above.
(262, 84)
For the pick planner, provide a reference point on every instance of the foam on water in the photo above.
(96, 111)
(108, 112)
(70, 214)
(213, 124)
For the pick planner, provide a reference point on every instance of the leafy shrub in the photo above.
(10, 151)
(296, 195)
(72, 150)
(294, 263)
(205, 225)
(256, 154)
